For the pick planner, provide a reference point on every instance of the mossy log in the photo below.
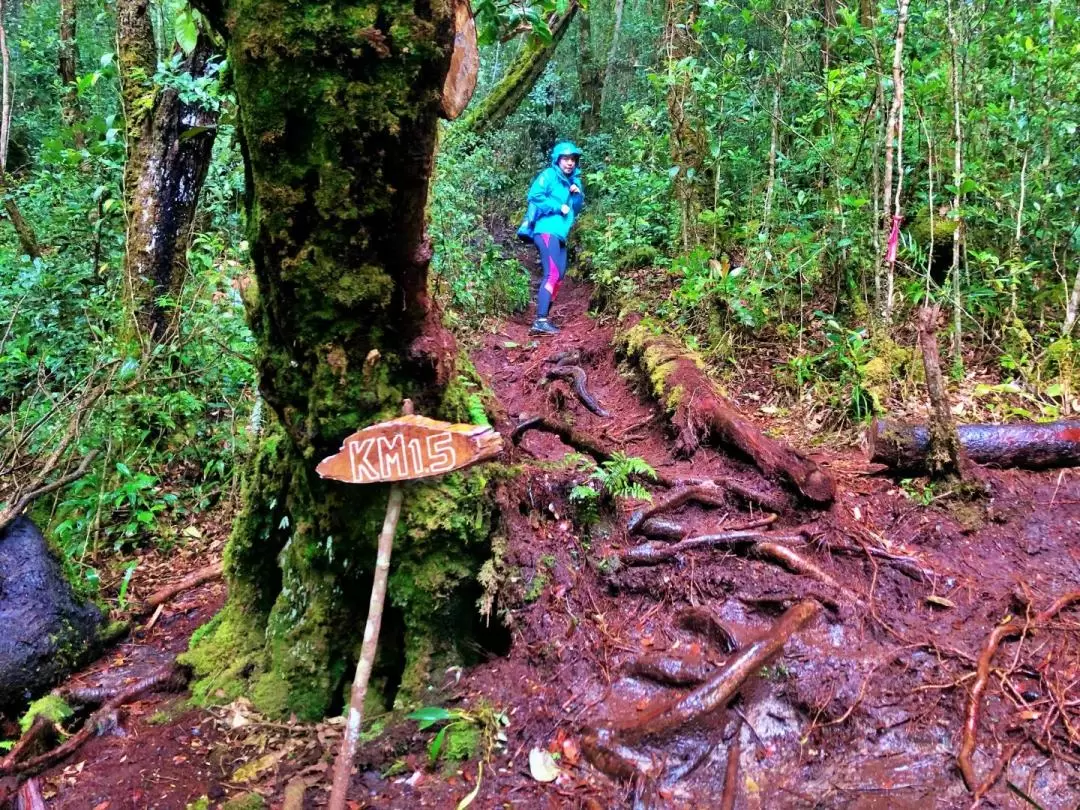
(519, 80)
(1033, 446)
(699, 410)
(338, 111)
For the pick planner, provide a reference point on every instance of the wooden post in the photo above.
(343, 763)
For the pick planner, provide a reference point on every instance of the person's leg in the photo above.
(558, 250)
(550, 273)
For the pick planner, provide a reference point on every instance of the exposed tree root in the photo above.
(731, 772)
(579, 441)
(650, 553)
(671, 670)
(703, 622)
(699, 410)
(104, 718)
(660, 528)
(39, 730)
(206, 574)
(576, 376)
(982, 677)
(602, 748)
(725, 683)
(800, 565)
(30, 797)
(706, 493)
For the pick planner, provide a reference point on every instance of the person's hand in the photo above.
(565, 210)
(574, 189)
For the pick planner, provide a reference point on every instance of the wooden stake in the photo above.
(344, 762)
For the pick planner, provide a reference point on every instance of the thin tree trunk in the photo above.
(612, 57)
(169, 144)
(894, 135)
(958, 177)
(519, 80)
(943, 458)
(589, 78)
(27, 239)
(68, 68)
(774, 139)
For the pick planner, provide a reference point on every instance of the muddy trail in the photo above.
(725, 645)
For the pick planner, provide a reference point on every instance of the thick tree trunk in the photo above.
(590, 78)
(699, 410)
(338, 124)
(168, 153)
(894, 144)
(1033, 446)
(519, 80)
(68, 68)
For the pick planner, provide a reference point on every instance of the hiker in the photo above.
(555, 198)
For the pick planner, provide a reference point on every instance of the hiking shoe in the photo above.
(542, 326)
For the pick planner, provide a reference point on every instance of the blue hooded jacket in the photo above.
(550, 191)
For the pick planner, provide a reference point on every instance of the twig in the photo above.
(13, 511)
(198, 577)
(731, 772)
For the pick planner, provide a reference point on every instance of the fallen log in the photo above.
(698, 410)
(722, 686)
(1029, 445)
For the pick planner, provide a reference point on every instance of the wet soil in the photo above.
(864, 707)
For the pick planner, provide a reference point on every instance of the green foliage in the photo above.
(466, 733)
(611, 480)
(51, 707)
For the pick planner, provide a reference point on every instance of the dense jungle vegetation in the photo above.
(782, 183)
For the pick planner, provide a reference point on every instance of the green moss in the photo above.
(462, 742)
(51, 707)
(245, 801)
(201, 803)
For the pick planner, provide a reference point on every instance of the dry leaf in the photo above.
(542, 766)
(941, 601)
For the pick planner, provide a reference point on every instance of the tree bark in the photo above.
(1033, 446)
(699, 410)
(338, 120)
(943, 456)
(688, 142)
(27, 239)
(519, 80)
(168, 154)
(590, 79)
(894, 143)
(68, 69)
(612, 58)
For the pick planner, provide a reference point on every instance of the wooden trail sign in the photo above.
(399, 450)
(409, 447)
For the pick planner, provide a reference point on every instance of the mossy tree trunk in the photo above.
(68, 65)
(168, 154)
(338, 107)
(520, 78)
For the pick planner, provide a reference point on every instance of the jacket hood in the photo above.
(564, 148)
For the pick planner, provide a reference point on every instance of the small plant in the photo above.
(465, 734)
(614, 479)
(922, 494)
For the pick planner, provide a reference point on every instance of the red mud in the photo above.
(862, 709)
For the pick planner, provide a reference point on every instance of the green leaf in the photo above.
(429, 716)
(187, 30)
(437, 743)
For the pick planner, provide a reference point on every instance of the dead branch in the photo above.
(671, 670)
(576, 376)
(724, 684)
(172, 675)
(971, 716)
(38, 730)
(10, 513)
(943, 458)
(205, 574)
